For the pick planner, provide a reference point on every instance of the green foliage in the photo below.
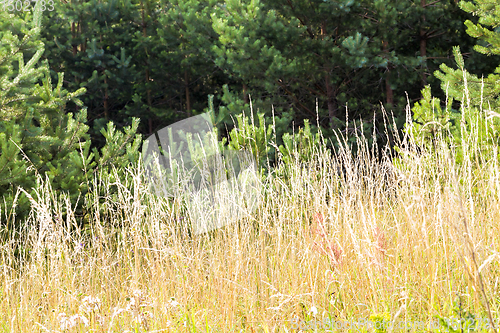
(460, 83)
(466, 131)
(468, 88)
(233, 106)
(119, 151)
(38, 136)
(431, 122)
(137, 58)
(158, 60)
(268, 139)
(477, 96)
(380, 321)
(462, 320)
(300, 146)
(249, 136)
(489, 16)
(343, 54)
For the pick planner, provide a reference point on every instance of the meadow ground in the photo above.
(384, 247)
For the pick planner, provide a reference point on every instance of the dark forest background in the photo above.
(83, 81)
(159, 60)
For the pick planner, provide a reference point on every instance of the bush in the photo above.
(37, 135)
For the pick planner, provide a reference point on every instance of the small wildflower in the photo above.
(135, 306)
(131, 304)
(313, 311)
(142, 317)
(90, 304)
(100, 319)
(66, 322)
(173, 303)
(274, 308)
(138, 300)
(138, 293)
(170, 305)
(117, 311)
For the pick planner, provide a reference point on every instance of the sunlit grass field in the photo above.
(391, 243)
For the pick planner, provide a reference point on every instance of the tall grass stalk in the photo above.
(380, 238)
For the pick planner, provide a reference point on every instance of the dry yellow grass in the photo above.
(401, 243)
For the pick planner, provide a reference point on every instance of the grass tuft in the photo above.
(342, 237)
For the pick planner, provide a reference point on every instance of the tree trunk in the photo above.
(73, 34)
(79, 31)
(75, 50)
(388, 90)
(245, 94)
(148, 90)
(106, 97)
(331, 99)
(188, 100)
(83, 46)
(423, 45)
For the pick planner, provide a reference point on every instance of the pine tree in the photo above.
(468, 96)
(158, 60)
(137, 58)
(348, 55)
(37, 136)
(95, 51)
(479, 89)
